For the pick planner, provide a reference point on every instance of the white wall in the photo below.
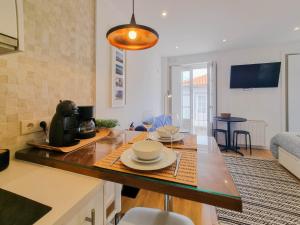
(143, 83)
(257, 104)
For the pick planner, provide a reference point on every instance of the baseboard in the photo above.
(255, 147)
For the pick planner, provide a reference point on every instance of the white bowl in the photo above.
(166, 131)
(147, 150)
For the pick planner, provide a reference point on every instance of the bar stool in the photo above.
(215, 134)
(216, 130)
(148, 216)
(236, 134)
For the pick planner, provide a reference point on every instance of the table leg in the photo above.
(228, 135)
(168, 203)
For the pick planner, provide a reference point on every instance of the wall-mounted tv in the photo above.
(264, 75)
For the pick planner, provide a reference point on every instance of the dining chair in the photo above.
(149, 216)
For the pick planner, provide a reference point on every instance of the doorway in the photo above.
(194, 97)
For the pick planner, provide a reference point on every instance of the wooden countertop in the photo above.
(215, 184)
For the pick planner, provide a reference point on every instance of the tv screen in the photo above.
(263, 75)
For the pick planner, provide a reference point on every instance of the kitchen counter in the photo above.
(48, 186)
(214, 182)
(80, 161)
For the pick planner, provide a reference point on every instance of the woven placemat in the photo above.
(83, 142)
(140, 137)
(189, 141)
(187, 172)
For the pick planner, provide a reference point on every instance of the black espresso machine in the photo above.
(71, 123)
(64, 125)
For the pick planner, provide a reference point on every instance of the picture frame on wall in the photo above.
(118, 72)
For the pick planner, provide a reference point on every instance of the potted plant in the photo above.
(106, 124)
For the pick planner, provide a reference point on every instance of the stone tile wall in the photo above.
(58, 63)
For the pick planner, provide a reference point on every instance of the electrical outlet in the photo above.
(30, 126)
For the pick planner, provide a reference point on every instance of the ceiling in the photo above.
(198, 26)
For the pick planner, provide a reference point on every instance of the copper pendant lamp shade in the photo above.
(132, 36)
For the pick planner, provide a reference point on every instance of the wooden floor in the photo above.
(200, 214)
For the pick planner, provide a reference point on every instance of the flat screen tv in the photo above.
(264, 75)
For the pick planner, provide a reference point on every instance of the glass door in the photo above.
(191, 97)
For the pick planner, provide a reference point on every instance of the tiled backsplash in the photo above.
(58, 63)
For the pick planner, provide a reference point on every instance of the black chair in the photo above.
(216, 130)
(222, 131)
(236, 134)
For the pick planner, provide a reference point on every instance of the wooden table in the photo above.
(215, 184)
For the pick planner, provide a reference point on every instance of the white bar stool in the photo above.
(148, 216)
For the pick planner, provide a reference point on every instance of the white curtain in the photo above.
(176, 90)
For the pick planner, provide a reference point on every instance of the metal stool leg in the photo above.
(233, 139)
(117, 218)
(246, 142)
(226, 140)
(168, 203)
(237, 142)
(216, 136)
(250, 144)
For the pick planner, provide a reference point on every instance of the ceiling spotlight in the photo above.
(164, 13)
(296, 28)
(176, 47)
(224, 40)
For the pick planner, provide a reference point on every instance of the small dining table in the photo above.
(215, 185)
(230, 120)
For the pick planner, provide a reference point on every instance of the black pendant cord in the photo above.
(132, 6)
(132, 21)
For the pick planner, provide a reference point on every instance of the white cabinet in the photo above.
(11, 26)
(88, 212)
(112, 200)
(99, 208)
(8, 18)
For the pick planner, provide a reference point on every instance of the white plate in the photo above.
(168, 157)
(136, 159)
(155, 137)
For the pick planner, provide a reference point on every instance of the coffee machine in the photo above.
(64, 125)
(86, 127)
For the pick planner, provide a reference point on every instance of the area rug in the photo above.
(270, 195)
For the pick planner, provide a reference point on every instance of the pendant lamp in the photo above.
(132, 36)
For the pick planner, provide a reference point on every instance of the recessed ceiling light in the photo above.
(296, 28)
(224, 40)
(176, 47)
(164, 13)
